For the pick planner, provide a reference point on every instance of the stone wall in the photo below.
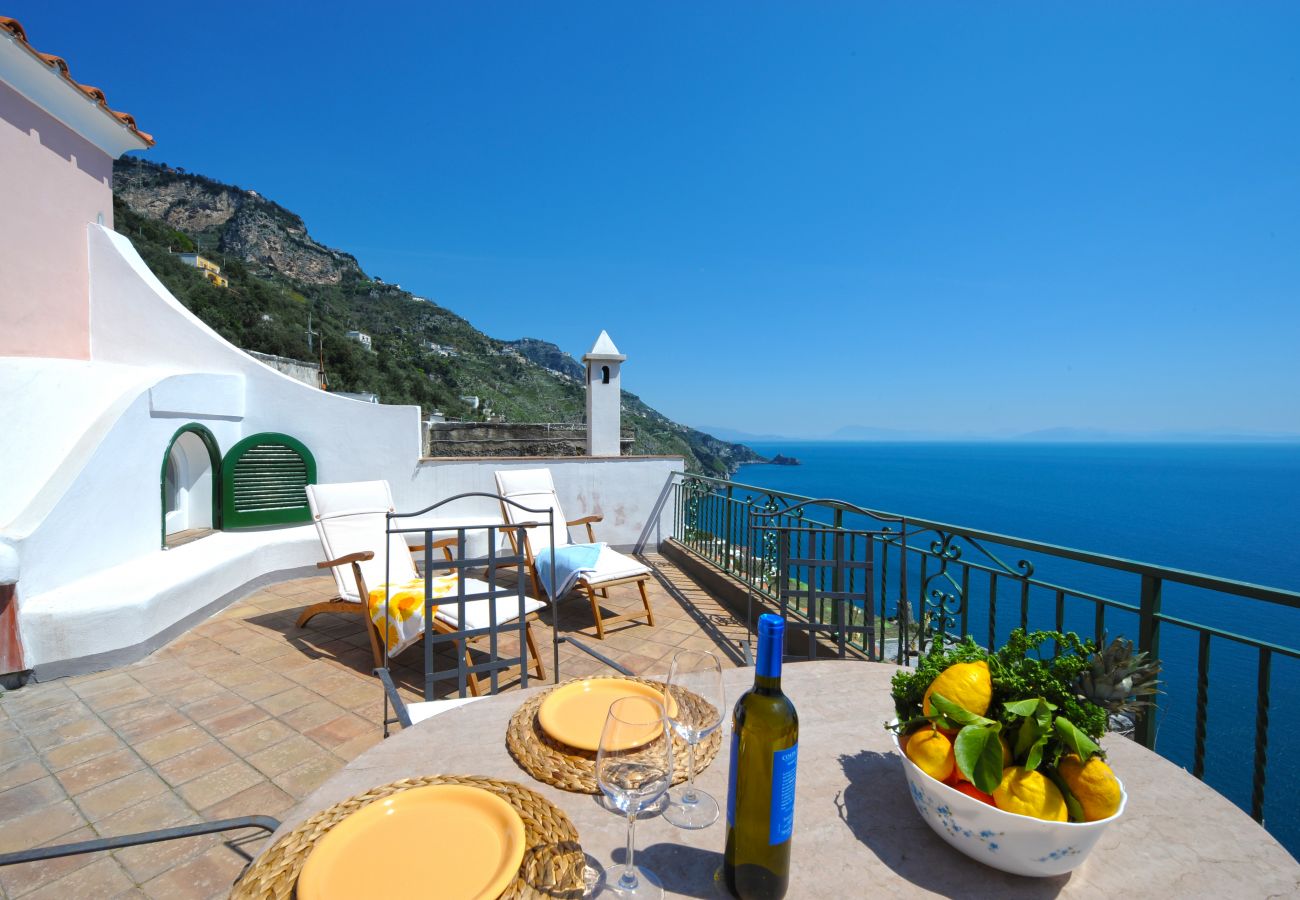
(446, 439)
(306, 372)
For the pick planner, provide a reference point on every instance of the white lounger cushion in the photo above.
(427, 709)
(536, 489)
(350, 518)
(478, 612)
(612, 566)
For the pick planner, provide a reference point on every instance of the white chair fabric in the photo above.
(350, 518)
(427, 709)
(535, 488)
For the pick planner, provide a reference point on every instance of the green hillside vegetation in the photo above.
(266, 311)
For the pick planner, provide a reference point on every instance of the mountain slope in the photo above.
(281, 280)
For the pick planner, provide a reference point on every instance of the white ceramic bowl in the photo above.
(1013, 843)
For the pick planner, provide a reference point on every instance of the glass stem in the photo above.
(628, 878)
(689, 796)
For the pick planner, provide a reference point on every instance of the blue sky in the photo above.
(955, 218)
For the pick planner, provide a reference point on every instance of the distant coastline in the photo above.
(862, 434)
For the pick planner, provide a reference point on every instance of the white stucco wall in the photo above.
(630, 492)
(81, 530)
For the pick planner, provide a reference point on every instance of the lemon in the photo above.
(932, 753)
(1030, 794)
(1093, 784)
(969, 685)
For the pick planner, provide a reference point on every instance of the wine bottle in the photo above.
(760, 795)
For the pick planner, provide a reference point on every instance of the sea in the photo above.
(1230, 510)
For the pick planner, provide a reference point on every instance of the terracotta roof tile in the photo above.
(15, 28)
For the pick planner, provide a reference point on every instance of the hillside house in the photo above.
(210, 270)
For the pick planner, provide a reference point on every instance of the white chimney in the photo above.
(604, 398)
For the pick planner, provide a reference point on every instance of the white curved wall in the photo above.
(93, 498)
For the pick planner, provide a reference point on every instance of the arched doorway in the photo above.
(191, 470)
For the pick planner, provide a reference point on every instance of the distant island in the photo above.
(780, 460)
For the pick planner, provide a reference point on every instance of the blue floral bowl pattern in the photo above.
(1003, 840)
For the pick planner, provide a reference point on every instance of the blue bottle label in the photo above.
(731, 780)
(781, 824)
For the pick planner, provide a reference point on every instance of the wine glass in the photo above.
(699, 673)
(634, 767)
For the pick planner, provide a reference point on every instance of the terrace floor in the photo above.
(247, 714)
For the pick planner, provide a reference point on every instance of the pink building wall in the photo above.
(53, 183)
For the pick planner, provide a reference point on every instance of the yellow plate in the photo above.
(575, 713)
(444, 840)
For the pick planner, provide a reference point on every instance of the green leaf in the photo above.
(1076, 740)
(1023, 707)
(957, 713)
(1028, 734)
(1072, 803)
(979, 755)
(1035, 756)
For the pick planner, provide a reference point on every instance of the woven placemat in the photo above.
(553, 860)
(571, 769)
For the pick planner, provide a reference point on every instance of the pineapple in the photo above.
(1121, 683)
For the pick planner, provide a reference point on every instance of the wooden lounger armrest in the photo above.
(587, 520)
(445, 545)
(360, 556)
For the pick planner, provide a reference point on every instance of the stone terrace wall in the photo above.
(455, 439)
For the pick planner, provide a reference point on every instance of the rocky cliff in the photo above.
(548, 356)
(421, 353)
(229, 219)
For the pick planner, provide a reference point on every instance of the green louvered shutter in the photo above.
(263, 481)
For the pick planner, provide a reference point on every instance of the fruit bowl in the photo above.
(1013, 843)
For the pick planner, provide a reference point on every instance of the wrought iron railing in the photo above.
(932, 583)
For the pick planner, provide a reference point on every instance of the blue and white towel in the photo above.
(571, 563)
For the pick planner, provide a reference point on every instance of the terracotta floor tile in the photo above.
(340, 731)
(287, 701)
(106, 700)
(38, 827)
(161, 721)
(350, 750)
(65, 755)
(222, 784)
(193, 763)
(101, 802)
(151, 860)
(203, 711)
(264, 799)
(155, 750)
(31, 796)
(263, 687)
(195, 689)
(19, 772)
(100, 770)
(101, 878)
(37, 696)
(302, 779)
(210, 875)
(17, 881)
(105, 683)
(237, 719)
(159, 811)
(44, 740)
(315, 713)
(54, 716)
(285, 755)
(257, 737)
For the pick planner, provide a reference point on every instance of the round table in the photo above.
(855, 829)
